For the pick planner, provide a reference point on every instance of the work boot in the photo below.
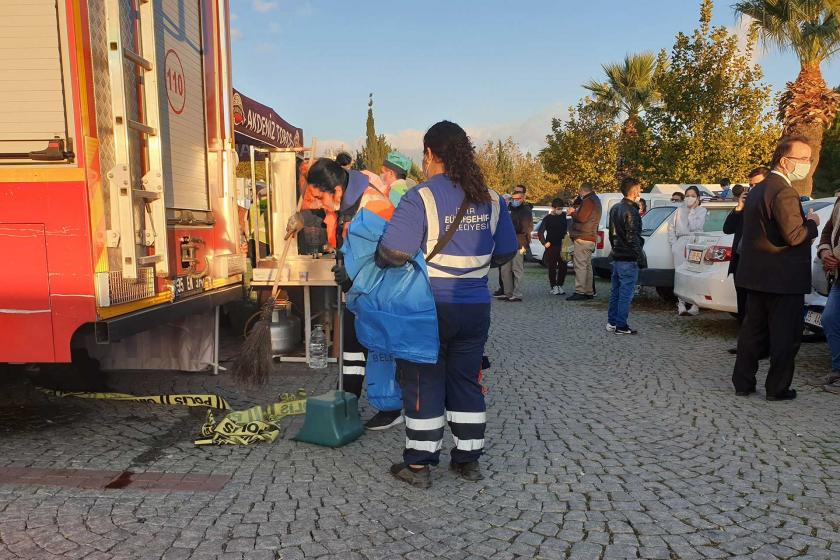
(384, 419)
(468, 471)
(419, 478)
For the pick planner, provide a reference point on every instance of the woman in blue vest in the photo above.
(450, 390)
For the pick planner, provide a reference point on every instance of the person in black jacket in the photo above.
(774, 266)
(625, 226)
(552, 232)
(733, 225)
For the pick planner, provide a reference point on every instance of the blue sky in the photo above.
(498, 68)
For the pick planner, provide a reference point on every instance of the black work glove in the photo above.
(342, 278)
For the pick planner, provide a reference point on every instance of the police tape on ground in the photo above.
(242, 427)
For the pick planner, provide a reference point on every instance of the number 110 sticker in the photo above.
(176, 84)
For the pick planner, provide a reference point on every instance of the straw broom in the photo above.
(253, 364)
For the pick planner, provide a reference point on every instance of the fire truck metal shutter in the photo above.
(182, 105)
(32, 108)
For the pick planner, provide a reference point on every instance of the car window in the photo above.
(715, 218)
(654, 218)
(538, 214)
(815, 205)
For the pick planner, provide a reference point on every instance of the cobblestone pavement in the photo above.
(599, 446)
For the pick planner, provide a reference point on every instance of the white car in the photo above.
(601, 264)
(704, 278)
(540, 212)
(660, 270)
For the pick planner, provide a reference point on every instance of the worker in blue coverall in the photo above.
(449, 390)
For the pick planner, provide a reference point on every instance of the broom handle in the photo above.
(339, 259)
(275, 288)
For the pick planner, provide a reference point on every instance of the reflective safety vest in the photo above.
(371, 200)
(457, 258)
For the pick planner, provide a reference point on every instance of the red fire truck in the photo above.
(117, 204)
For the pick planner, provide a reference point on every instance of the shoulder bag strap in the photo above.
(447, 237)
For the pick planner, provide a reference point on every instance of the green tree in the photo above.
(827, 177)
(583, 148)
(628, 91)
(376, 147)
(811, 29)
(714, 119)
(505, 165)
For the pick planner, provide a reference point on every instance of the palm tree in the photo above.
(628, 90)
(811, 29)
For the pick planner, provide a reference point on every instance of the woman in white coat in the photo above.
(687, 219)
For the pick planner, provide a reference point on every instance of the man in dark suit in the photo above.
(734, 224)
(775, 268)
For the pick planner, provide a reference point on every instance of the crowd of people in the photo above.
(771, 267)
(770, 264)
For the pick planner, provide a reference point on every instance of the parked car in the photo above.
(816, 300)
(601, 257)
(704, 278)
(540, 212)
(660, 271)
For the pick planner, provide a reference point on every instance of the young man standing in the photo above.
(625, 226)
(551, 234)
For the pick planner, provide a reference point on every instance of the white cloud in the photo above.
(529, 133)
(408, 141)
(235, 33)
(331, 146)
(264, 6)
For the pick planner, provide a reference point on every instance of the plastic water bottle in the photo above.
(318, 348)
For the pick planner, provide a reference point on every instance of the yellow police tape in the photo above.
(254, 424)
(236, 428)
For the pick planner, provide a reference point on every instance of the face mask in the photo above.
(516, 203)
(800, 171)
(690, 201)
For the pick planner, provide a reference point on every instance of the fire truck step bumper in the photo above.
(117, 328)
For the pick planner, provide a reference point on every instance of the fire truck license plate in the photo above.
(695, 256)
(187, 286)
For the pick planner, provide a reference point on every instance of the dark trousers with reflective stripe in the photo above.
(449, 390)
(355, 357)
